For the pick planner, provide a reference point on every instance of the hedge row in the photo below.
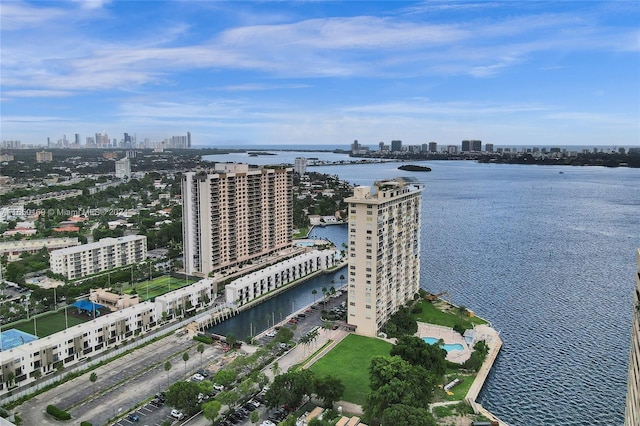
(58, 413)
(204, 339)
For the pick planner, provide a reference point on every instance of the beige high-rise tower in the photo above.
(235, 214)
(632, 412)
(384, 251)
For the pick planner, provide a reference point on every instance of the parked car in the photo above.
(177, 414)
(133, 417)
(218, 387)
(197, 377)
(204, 373)
(157, 402)
(271, 333)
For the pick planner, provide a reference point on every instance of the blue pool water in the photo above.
(13, 337)
(448, 348)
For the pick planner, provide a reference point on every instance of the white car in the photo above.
(198, 377)
(177, 414)
(271, 333)
(217, 387)
(267, 423)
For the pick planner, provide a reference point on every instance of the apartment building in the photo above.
(632, 412)
(13, 249)
(384, 251)
(256, 284)
(107, 253)
(123, 168)
(234, 214)
(90, 339)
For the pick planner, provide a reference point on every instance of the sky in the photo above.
(548, 73)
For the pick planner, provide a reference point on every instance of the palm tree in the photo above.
(341, 280)
(185, 358)
(324, 296)
(275, 368)
(167, 367)
(200, 349)
(92, 378)
(314, 292)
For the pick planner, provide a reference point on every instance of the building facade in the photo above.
(632, 412)
(44, 157)
(300, 166)
(38, 358)
(235, 214)
(256, 284)
(13, 249)
(107, 253)
(123, 168)
(384, 252)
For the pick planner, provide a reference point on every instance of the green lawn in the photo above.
(432, 315)
(158, 286)
(49, 324)
(349, 361)
(460, 390)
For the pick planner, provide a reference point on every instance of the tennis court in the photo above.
(159, 286)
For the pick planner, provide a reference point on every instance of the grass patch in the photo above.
(350, 361)
(433, 314)
(460, 390)
(49, 324)
(158, 286)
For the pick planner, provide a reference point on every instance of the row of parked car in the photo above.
(243, 412)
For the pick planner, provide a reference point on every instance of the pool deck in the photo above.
(449, 336)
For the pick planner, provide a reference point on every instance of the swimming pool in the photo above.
(448, 348)
(305, 243)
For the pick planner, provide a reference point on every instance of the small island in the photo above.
(257, 153)
(414, 168)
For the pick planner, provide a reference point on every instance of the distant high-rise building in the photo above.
(488, 147)
(300, 166)
(235, 214)
(396, 146)
(632, 412)
(471, 146)
(384, 252)
(77, 139)
(44, 157)
(48, 142)
(355, 147)
(123, 168)
(433, 147)
(452, 149)
(188, 139)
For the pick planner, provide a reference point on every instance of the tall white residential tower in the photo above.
(384, 251)
(235, 214)
(632, 413)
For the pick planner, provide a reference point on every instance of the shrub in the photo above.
(85, 423)
(417, 309)
(459, 328)
(58, 413)
(204, 339)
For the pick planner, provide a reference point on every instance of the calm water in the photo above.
(549, 259)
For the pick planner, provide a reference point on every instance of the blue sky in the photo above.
(312, 72)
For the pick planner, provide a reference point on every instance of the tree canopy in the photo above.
(406, 415)
(416, 351)
(184, 396)
(329, 389)
(290, 388)
(395, 381)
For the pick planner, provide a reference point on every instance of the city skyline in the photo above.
(254, 73)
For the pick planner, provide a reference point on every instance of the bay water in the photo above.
(547, 254)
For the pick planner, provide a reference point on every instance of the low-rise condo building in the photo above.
(107, 253)
(256, 284)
